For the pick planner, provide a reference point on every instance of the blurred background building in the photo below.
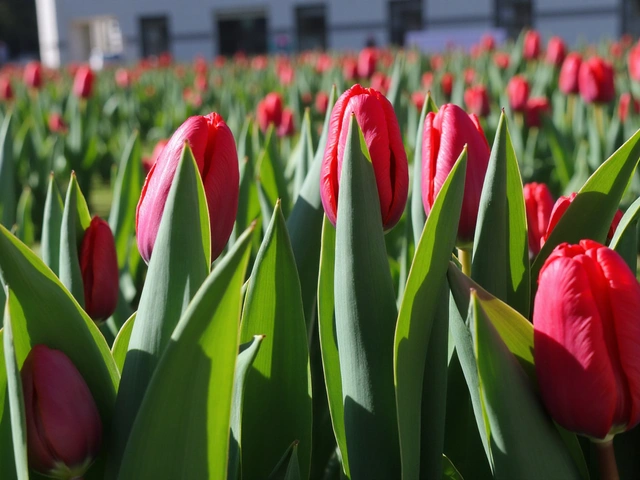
(74, 30)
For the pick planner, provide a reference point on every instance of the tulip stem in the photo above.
(607, 461)
(464, 255)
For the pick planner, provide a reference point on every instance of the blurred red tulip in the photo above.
(379, 125)
(534, 110)
(488, 42)
(349, 69)
(99, 267)
(561, 206)
(324, 63)
(518, 93)
(427, 80)
(556, 51)
(201, 82)
(214, 150)
(627, 104)
(367, 61)
(6, 92)
(595, 81)
(56, 123)
(33, 75)
(568, 80)
(469, 76)
(64, 429)
(322, 102)
(501, 60)
(200, 65)
(586, 322)
(418, 98)
(270, 111)
(83, 82)
(437, 62)
(446, 84)
(149, 162)
(287, 127)
(531, 45)
(286, 75)
(220, 61)
(123, 78)
(259, 63)
(634, 63)
(539, 204)
(380, 82)
(444, 136)
(476, 100)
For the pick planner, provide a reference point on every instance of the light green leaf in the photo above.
(7, 175)
(51, 224)
(121, 343)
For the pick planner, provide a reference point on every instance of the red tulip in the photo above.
(568, 80)
(367, 61)
(123, 78)
(323, 63)
(531, 45)
(33, 75)
(595, 81)
(488, 42)
(286, 75)
(64, 430)
(287, 127)
(469, 76)
(539, 204)
(477, 100)
(446, 84)
(627, 103)
(380, 82)
(349, 69)
(534, 110)
(437, 62)
(418, 98)
(322, 102)
(149, 162)
(634, 63)
(427, 80)
(56, 123)
(556, 51)
(444, 136)
(586, 322)
(379, 125)
(83, 82)
(270, 111)
(214, 150)
(200, 65)
(518, 93)
(6, 92)
(561, 206)
(201, 83)
(501, 60)
(99, 268)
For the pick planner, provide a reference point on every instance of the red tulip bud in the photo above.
(367, 61)
(380, 82)
(214, 150)
(488, 42)
(634, 63)
(377, 119)
(33, 75)
(270, 111)
(556, 51)
(531, 45)
(627, 104)
(99, 268)
(518, 93)
(586, 323)
(201, 83)
(322, 102)
(568, 80)
(6, 92)
(477, 100)
(418, 98)
(287, 127)
(446, 84)
(123, 78)
(539, 204)
(349, 69)
(64, 430)
(427, 80)
(57, 124)
(445, 135)
(534, 110)
(595, 81)
(501, 60)
(561, 206)
(83, 82)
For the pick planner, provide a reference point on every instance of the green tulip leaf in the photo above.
(288, 468)
(625, 238)
(365, 328)
(178, 266)
(7, 175)
(247, 355)
(449, 470)
(500, 248)
(417, 321)
(277, 401)
(51, 225)
(24, 220)
(121, 342)
(302, 157)
(270, 174)
(192, 386)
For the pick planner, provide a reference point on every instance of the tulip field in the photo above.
(373, 265)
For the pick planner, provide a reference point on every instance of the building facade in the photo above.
(73, 30)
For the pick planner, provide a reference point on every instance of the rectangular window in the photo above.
(404, 16)
(154, 35)
(311, 27)
(242, 32)
(513, 15)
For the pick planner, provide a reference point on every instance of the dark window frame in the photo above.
(297, 9)
(144, 48)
